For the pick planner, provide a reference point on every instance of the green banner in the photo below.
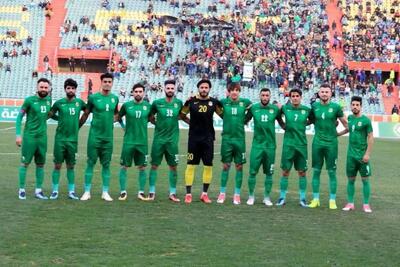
(389, 130)
(8, 113)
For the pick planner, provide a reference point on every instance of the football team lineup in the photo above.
(198, 111)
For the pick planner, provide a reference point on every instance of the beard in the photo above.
(169, 94)
(264, 102)
(203, 94)
(42, 94)
(70, 95)
(138, 98)
(355, 111)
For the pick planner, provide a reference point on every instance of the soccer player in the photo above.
(104, 107)
(137, 114)
(324, 115)
(201, 137)
(294, 150)
(165, 113)
(34, 141)
(68, 111)
(263, 147)
(361, 140)
(233, 146)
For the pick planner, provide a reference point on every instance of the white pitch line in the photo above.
(6, 129)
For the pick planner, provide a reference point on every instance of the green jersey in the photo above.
(68, 112)
(359, 128)
(167, 117)
(295, 125)
(264, 124)
(37, 110)
(234, 113)
(324, 118)
(103, 108)
(136, 118)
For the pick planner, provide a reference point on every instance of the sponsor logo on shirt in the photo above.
(359, 123)
(112, 100)
(144, 108)
(210, 103)
(330, 110)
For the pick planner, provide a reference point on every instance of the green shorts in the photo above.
(262, 156)
(354, 165)
(169, 149)
(296, 156)
(65, 150)
(327, 153)
(130, 152)
(34, 147)
(233, 149)
(98, 148)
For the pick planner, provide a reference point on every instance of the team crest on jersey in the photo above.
(210, 103)
(359, 123)
(77, 104)
(330, 110)
(48, 102)
(303, 112)
(112, 100)
(175, 105)
(144, 108)
(241, 104)
(271, 111)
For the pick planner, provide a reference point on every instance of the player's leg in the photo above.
(207, 155)
(193, 159)
(317, 162)
(58, 154)
(40, 160)
(126, 162)
(239, 157)
(157, 153)
(256, 158)
(331, 154)
(288, 154)
(268, 169)
(27, 151)
(226, 158)
(105, 155)
(92, 155)
(140, 157)
(172, 158)
(365, 172)
(300, 164)
(70, 160)
(352, 167)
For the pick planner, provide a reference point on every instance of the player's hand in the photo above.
(337, 123)
(365, 159)
(18, 141)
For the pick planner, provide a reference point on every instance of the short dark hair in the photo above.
(232, 86)
(43, 80)
(106, 75)
(138, 85)
(325, 85)
(265, 90)
(169, 82)
(70, 82)
(357, 99)
(204, 81)
(295, 90)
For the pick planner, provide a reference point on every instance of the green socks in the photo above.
(332, 184)
(350, 190)
(366, 190)
(152, 181)
(284, 186)
(224, 180)
(302, 187)
(55, 179)
(267, 185)
(88, 177)
(252, 184)
(142, 180)
(105, 174)
(22, 176)
(71, 180)
(122, 179)
(173, 177)
(238, 181)
(315, 183)
(39, 177)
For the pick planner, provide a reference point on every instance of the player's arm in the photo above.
(84, 117)
(18, 124)
(184, 112)
(280, 119)
(120, 115)
(248, 116)
(219, 109)
(343, 120)
(370, 141)
(152, 115)
(53, 113)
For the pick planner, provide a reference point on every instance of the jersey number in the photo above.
(323, 115)
(43, 109)
(170, 112)
(234, 111)
(71, 111)
(138, 114)
(264, 118)
(202, 108)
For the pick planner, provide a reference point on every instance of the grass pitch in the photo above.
(161, 233)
